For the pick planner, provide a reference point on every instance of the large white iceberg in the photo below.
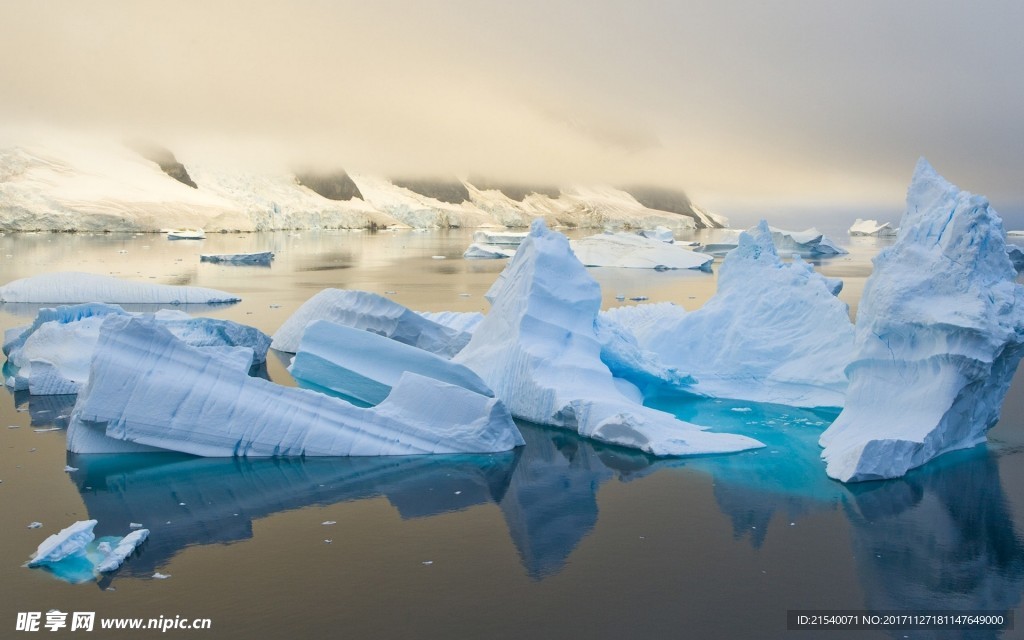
(939, 334)
(365, 366)
(72, 287)
(773, 332)
(871, 228)
(369, 311)
(634, 251)
(539, 350)
(54, 352)
(149, 388)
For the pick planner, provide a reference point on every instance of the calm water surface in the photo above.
(561, 538)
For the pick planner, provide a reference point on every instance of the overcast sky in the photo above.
(745, 105)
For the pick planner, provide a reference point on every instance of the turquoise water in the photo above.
(562, 537)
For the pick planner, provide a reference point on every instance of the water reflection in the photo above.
(943, 537)
(46, 411)
(187, 501)
(551, 503)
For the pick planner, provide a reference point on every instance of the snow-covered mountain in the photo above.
(88, 185)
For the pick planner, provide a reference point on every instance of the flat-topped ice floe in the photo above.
(70, 287)
(871, 228)
(261, 258)
(54, 352)
(774, 332)
(538, 349)
(481, 251)
(938, 338)
(150, 389)
(371, 312)
(503, 238)
(633, 251)
(365, 366)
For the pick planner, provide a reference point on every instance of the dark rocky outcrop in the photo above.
(665, 199)
(165, 159)
(517, 192)
(333, 185)
(451, 190)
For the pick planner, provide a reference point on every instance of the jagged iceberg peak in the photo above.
(773, 332)
(539, 350)
(939, 331)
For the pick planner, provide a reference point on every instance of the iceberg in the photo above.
(53, 353)
(374, 313)
(538, 349)
(73, 287)
(773, 332)
(1016, 254)
(365, 366)
(149, 388)
(938, 338)
(69, 541)
(481, 251)
(633, 251)
(503, 238)
(261, 258)
(127, 545)
(871, 228)
(808, 243)
(660, 233)
(465, 321)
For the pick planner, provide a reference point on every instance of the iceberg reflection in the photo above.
(187, 501)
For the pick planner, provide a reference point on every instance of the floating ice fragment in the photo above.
(161, 576)
(34, 525)
(68, 468)
(116, 557)
(67, 541)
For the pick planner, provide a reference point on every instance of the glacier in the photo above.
(633, 251)
(151, 389)
(773, 332)
(539, 350)
(52, 355)
(71, 287)
(369, 311)
(365, 366)
(939, 335)
(871, 228)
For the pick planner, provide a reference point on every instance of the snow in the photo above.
(116, 557)
(369, 311)
(773, 332)
(480, 251)
(149, 388)
(871, 228)
(540, 352)
(365, 366)
(262, 257)
(53, 354)
(71, 287)
(629, 250)
(417, 210)
(69, 541)
(938, 338)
